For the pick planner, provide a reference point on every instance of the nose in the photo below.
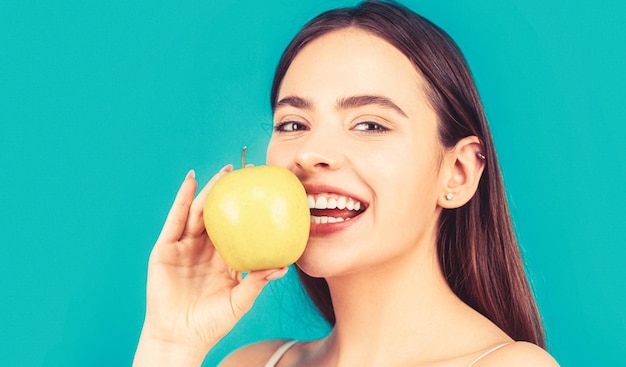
(318, 153)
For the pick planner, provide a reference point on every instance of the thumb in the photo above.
(247, 291)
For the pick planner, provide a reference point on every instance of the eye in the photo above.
(370, 127)
(290, 126)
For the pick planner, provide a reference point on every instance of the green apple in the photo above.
(258, 218)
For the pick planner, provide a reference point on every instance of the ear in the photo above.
(462, 168)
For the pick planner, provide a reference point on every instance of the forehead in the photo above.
(349, 62)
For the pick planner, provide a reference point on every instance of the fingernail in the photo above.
(277, 274)
(191, 174)
(227, 168)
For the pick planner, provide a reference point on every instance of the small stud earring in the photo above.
(481, 156)
(449, 196)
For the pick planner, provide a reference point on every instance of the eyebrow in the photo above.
(343, 103)
(366, 100)
(294, 101)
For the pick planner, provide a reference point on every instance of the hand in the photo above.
(193, 297)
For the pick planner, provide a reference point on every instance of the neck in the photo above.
(392, 311)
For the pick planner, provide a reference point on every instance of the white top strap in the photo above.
(489, 352)
(280, 352)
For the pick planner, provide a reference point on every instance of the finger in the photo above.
(246, 292)
(177, 216)
(195, 223)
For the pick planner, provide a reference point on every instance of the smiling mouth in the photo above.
(333, 208)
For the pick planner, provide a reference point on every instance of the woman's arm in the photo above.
(193, 298)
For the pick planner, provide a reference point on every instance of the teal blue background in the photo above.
(104, 106)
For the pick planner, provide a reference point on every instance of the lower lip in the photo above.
(327, 229)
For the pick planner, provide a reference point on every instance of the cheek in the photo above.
(407, 212)
(277, 155)
(406, 195)
(406, 187)
(401, 168)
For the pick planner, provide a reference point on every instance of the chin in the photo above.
(312, 268)
(322, 262)
(316, 265)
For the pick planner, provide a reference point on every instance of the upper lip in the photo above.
(312, 189)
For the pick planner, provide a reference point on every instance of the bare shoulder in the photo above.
(252, 355)
(518, 354)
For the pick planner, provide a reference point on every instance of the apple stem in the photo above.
(243, 156)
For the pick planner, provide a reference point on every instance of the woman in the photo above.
(373, 105)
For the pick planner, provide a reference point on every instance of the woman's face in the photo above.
(353, 123)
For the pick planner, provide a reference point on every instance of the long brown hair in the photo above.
(477, 248)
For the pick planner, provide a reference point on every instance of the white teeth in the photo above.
(325, 219)
(321, 202)
(332, 203)
(341, 203)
